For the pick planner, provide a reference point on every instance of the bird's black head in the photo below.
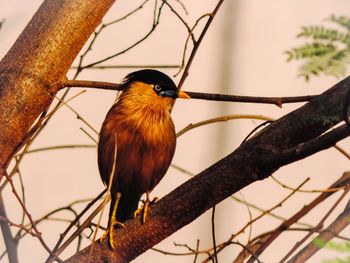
(162, 84)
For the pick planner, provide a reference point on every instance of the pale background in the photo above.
(246, 40)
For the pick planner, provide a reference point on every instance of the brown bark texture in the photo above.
(291, 138)
(41, 57)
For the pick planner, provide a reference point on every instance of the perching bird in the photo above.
(137, 142)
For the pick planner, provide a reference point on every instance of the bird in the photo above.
(136, 144)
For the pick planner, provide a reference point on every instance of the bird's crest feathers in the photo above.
(150, 76)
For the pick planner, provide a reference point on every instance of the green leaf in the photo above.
(328, 52)
(310, 50)
(340, 20)
(322, 33)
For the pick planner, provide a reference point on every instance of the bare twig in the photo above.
(317, 227)
(198, 43)
(307, 191)
(327, 234)
(90, 84)
(222, 119)
(59, 147)
(20, 226)
(79, 117)
(342, 151)
(190, 30)
(103, 67)
(279, 204)
(97, 33)
(11, 245)
(76, 219)
(215, 254)
(153, 27)
(279, 101)
(107, 197)
(29, 216)
(344, 180)
(196, 252)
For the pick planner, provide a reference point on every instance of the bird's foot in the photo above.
(144, 208)
(112, 223)
(109, 233)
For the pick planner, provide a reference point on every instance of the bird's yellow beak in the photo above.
(183, 95)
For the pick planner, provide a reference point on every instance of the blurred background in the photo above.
(243, 53)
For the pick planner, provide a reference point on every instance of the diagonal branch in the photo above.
(341, 182)
(326, 235)
(254, 160)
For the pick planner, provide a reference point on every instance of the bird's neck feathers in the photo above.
(140, 103)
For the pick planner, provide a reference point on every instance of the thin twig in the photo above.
(29, 216)
(154, 26)
(222, 119)
(343, 180)
(20, 226)
(107, 197)
(170, 66)
(84, 225)
(246, 203)
(327, 234)
(60, 147)
(194, 95)
(213, 234)
(79, 117)
(279, 204)
(189, 30)
(342, 151)
(196, 252)
(317, 227)
(73, 223)
(88, 135)
(278, 101)
(10, 244)
(306, 191)
(198, 43)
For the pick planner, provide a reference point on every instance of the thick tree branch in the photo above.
(252, 161)
(40, 57)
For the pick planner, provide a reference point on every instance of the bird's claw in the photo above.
(109, 233)
(144, 208)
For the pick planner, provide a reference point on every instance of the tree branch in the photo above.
(252, 161)
(272, 235)
(326, 235)
(10, 243)
(33, 64)
(278, 101)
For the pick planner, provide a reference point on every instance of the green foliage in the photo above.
(337, 260)
(341, 247)
(328, 49)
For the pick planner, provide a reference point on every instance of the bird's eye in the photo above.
(157, 88)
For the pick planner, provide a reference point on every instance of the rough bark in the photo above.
(289, 139)
(41, 57)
